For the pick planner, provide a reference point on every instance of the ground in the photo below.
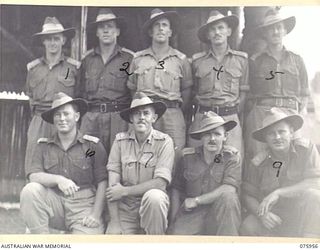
(11, 222)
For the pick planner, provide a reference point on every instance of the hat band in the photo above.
(214, 18)
(216, 124)
(61, 101)
(272, 19)
(140, 102)
(105, 17)
(52, 27)
(156, 14)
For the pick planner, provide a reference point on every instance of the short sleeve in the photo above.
(132, 79)
(114, 162)
(36, 161)
(244, 85)
(303, 75)
(312, 166)
(186, 81)
(178, 181)
(232, 173)
(251, 181)
(100, 160)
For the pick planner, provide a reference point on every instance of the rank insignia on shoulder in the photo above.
(42, 140)
(91, 138)
(188, 151)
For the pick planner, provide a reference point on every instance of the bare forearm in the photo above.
(47, 180)
(113, 205)
(210, 197)
(186, 97)
(140, 189)
(100, 198)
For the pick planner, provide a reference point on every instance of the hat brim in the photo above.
(159, 108)
(231, 20)
(69, 33)
(171, 15)
(289, 22)
(120, 21)
(229, 125)
(296, 121)
(81, 103)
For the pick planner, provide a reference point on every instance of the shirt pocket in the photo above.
(232, 81)
(38, 83)
(91, 81)
(130, 171)
(51, 165)
(291, 81)
(193, 182)
(81, 171)
(66, 84)
(143, 76)
(118, 81)
(205, 79)
(167, 81)
(147, 164)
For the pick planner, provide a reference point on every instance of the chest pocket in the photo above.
(167, 81)
(91, 78)
(81, 170)
(51, 165)
(194, 181)
(147, 164)
(232, 80)
(143, 76)
(66, 81)
(206, 81)
(269, 181)
(118, 81)
(37, 81)
(291, 81)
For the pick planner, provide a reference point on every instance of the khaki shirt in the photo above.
(44, 81)
(211, 91)
(105, 82)
(166, 79)
(195, 177)
(261, 176)
(73, 163)
(135, 164)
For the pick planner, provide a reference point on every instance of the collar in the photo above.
(56, 140)
(284, 52)
(149, 51)
(150, 138)
(225, 151)
(116, 50)
(211, 53)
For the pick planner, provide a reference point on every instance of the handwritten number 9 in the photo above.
(277, 164)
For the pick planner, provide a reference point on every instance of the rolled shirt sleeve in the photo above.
(232, 173)
(100, 160)
(114, 161)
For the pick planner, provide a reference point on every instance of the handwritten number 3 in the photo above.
(161, 63)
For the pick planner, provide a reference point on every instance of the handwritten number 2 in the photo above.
(126, 65)
(277, 164)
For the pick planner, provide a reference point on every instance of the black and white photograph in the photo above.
(160, 120)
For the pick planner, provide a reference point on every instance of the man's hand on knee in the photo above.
(116, 192)
(270, 220)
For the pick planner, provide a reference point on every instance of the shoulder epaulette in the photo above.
(122, 136)
(90, 51)
(128, 51)
(240, 53)
(158, 135)
(180, 54)
(33, 63)
(230, 149)
(188, 151)
(198, 55)
(259, 158)
(74, 62)
(42, 140)
(304, 142)
(91, 138)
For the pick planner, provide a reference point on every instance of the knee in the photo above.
(247, 227)
(155, 197)
(30, 191)
(311, 196)
(229, 199)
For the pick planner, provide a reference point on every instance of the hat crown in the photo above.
(59, 99)
(272, 16)
(105, 14)
(275, 114)
(210, 118)
(140, 99)
(52, 24)
(155, 12)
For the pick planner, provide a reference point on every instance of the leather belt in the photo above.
(278, 102)
(108, 107)
(220, 110)
(168, 103)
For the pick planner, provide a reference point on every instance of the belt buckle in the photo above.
(279, 102)
(103, 107)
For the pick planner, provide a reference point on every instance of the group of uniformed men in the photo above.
(112, 129)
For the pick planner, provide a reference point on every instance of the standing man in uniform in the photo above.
(67, 175)
(220, 75)
(103, 82)
(207, 180)
(282, 185)
(47, 76)
(278, 78)
(164, 74)
(139, 167)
